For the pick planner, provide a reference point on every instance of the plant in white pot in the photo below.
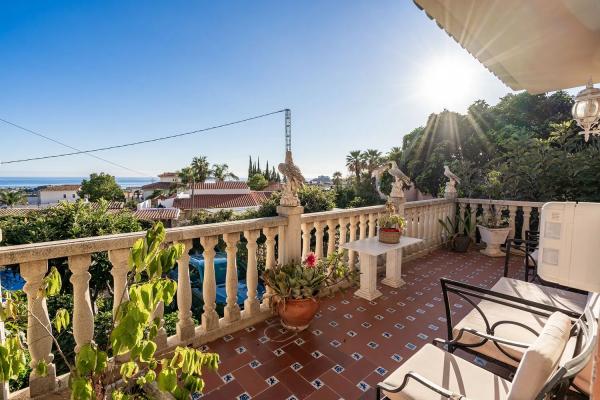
(494, 231)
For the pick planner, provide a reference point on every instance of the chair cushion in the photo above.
(449, 371)
(541, 358)
(496, 312)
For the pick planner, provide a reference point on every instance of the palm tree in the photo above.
(12, 198)
(221, 172)
(337, 178)
(355, 163)
(372, 159)
(200, 168)
(395, 154)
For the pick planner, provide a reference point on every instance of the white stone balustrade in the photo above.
(285, 236)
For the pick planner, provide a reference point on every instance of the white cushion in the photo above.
(449, 371)
(541, 358)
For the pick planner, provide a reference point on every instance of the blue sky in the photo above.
(356, 74)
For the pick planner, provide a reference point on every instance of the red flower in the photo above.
(311, 260)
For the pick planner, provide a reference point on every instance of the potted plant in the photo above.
(391, 226)
(296, 287)
(457, 234)
(494, 232)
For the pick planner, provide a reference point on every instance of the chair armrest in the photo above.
(423, 381)
(482, 335)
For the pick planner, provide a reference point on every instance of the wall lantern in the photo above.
(586, 111)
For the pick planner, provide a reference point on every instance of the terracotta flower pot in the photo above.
(389, 235)
(297, 314)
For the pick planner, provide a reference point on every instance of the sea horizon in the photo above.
(36, 181)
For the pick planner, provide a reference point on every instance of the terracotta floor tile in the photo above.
(407, 314)
(250, 380)
(323, 394)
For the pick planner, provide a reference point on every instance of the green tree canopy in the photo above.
(258, 182)
(101, 186)
(11, 198)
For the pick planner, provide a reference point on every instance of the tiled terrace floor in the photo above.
(352, 344)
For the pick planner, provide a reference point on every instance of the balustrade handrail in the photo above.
(421, 203)
(341, 213)
(516, 203)
(70, 247)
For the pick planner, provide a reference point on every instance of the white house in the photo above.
(171, 177)
(57, 193)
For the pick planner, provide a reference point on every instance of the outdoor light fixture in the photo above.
(586, 111)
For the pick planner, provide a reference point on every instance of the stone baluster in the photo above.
(306, 229)
(185, 325)
(362, 227)
(372, 225)
(281, 248)
(83, 321)
(512, 217)
(39, 339)
(461, 215)
(352, 238)
(420, 227)
(270, 262)
(319, 239)
(526, 220)
(251, 304)
(473, 211)
(437, 228)
(232, 309)
(120, 266)
(331, 225)
(343, 230)
(210, 318)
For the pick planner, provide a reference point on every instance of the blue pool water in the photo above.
(11, 280)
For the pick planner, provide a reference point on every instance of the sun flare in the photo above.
(448, 82)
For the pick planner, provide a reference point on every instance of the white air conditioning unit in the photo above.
(569, 251)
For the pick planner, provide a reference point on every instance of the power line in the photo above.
(69, 146)
(145, 141)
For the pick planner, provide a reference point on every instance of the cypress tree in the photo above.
(250, 167)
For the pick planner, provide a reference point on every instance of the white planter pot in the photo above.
(493, 239)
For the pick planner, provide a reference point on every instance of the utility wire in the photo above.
(144, 141)
(69, 146)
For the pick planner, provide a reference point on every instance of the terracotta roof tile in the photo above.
(60, 188)
(155, 214)
(251, 199)
(157, 186)
(15, 212)
(222, 185)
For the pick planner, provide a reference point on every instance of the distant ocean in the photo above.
(32, 182)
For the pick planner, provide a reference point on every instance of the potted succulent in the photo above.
(296, 286)
(494, 231)
(391, 226)
(457, 234)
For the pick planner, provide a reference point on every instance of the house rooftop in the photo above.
(222, 185)
(60, 188)
(251, 199)
(157, 214)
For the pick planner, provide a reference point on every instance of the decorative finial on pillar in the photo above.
(293, 181)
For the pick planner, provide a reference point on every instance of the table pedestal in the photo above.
(393, 269)
(368, 277)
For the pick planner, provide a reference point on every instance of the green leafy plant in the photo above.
(133, 332)
(307, 279)
(392, 221)
(493, 221)
(460, 227)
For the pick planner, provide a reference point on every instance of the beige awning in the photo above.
(536, 45)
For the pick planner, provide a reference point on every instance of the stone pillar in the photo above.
(185, 325)
(251, 305)
(372, 225)
(526, 220)
(83, 316)
(292, 244)
(210, 318)
(270, 261)
(512, 216)
(39, 340)
(232, 309)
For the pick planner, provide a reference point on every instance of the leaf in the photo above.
(147, 352)
(129, 369)
(61, 320)
(81, 388)
(41, 369)
(86, 359)
(52, 283)
(167, 379)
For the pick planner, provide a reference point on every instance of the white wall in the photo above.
(51, 197)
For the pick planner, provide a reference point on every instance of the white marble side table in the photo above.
(368, 250)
